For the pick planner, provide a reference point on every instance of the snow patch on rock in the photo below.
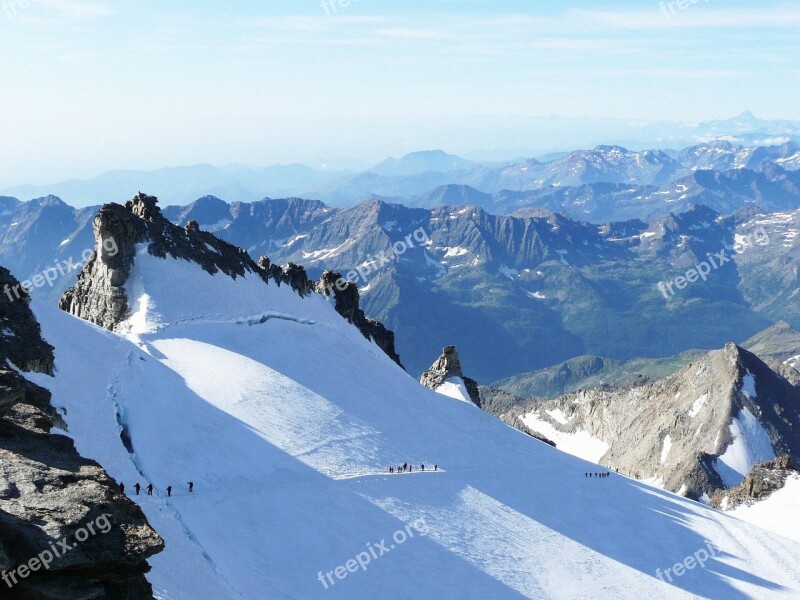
(580, 444)
(751, 445)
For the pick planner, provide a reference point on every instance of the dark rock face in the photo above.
(21, 340)
(760, 483)
(497, 401)
(49, 493)
(347, 303)
(293, 275)
(273, 272)
(446, 366)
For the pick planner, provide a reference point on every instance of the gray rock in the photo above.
(763, 480)
(21, 342)
(448, 366)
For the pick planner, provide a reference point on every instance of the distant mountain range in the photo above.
(514, 293)
(771, 188)
(605, 183)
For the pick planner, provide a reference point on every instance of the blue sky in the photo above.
(89, 86)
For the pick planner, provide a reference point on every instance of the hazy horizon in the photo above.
(95, 86)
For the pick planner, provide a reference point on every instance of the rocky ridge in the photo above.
(778, 346)
(347, 303)
(494, 286)
(121, 231)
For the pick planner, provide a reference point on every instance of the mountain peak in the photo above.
(144, 206)
(696, 431)
(613, 148)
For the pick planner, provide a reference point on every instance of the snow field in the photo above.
(287, 427)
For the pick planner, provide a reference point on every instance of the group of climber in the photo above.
(408, 468)
(149, 488)
(601, 475)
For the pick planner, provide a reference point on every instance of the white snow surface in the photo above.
(777, 513)
(698, 406)
(665, 449)
(454, 388)
(580, 443)
(751, 445)
(455, 251)
(287, 419)
(749, 385)
(558, 415)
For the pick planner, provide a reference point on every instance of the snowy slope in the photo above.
(580, 443)
(778, 513)
(751, 445)
(287, 419)
(454, 387)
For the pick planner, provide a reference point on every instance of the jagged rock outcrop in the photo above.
(347, 304)
(50, 494)
(687, 432)
(293, 275)
(762, 481)
(99, 295)
(447, 368)
(273, 272)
